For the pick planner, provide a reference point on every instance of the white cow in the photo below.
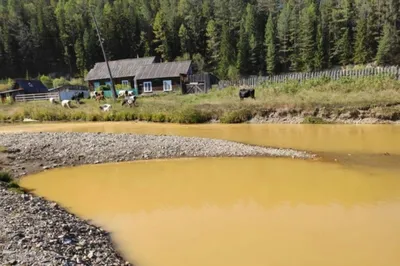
(52, 101)
(106, 107)
(66, 103)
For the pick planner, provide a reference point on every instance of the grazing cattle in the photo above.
(77, 96)
(100, 96)
(130, 101)
(247, 93)
(105, 107)
(53, 101)
(66, 103)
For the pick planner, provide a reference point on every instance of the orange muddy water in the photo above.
(343, 209)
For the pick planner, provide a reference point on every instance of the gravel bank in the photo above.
(34, 231)
(32, 152)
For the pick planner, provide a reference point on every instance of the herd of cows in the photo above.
(129, 98)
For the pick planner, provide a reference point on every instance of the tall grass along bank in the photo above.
(376, 98)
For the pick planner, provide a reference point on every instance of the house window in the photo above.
(167, 85)
(147, 86)
(125, 84)
(108, 83)
(96, 85)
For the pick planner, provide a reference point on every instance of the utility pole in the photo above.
(113, 92)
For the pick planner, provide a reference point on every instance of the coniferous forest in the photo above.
(226, 37)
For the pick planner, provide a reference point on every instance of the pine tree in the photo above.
(270, 45)
(225, 53)
(388, 48)
(212, 51)
(80, 57)
(160, 33)
(183, 35)
(361, 53)
(307, 37)
(319, 56)
(251, 34)
(284, 37)
(243, 51)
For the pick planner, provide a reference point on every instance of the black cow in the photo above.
(77, 96)
(247, 93)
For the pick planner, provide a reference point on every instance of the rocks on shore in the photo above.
(34, 231)
(51, 150)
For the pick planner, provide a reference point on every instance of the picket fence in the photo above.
(254, 81)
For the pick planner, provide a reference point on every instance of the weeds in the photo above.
(5, 177)
(11, 183)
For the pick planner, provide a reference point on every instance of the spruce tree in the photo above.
(243, 51)
(212, 50)
(361, 54)
(307, 37)
(283, 34)
(270, 45)
(225, 53)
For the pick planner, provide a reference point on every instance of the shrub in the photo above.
(191, 116)
(5, 177)
(60, 82)
(237, 116)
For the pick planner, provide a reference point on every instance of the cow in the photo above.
(130, 100)
(53, 101)
(105, 107)
(66, 103)
(247, 93)
(99, 96)
(77, 96)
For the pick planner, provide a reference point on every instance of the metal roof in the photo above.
(119, 68)
(10, 91)
(30, 86)
(164, 70)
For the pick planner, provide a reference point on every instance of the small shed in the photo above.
(163, 77)
(67, 91)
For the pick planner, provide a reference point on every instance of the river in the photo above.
(343, 209)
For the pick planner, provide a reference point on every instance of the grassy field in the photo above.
(345, 95)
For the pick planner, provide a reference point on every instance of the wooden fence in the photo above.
(254, 81)
(37, 97)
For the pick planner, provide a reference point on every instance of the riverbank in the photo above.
(36, 231)
(372, 100)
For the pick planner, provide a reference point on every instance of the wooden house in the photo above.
(163, 77)
(123, 72)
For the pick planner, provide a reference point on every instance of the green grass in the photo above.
(224, 105)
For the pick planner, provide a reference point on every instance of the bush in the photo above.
(60, 82)
(191, 116)
(5, 177)
(237, 116)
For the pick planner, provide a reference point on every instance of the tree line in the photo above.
(227, 37)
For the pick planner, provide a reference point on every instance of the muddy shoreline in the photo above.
(35, 231)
